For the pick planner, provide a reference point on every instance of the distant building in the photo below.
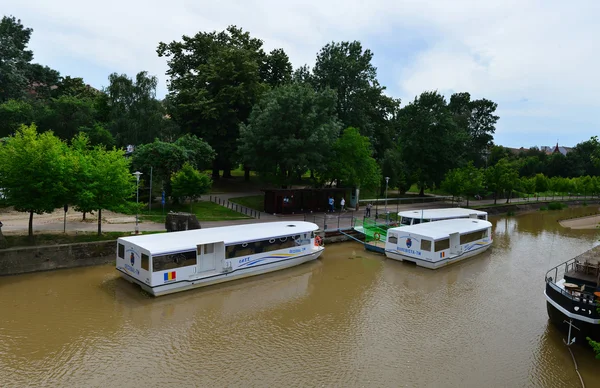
(548, 150)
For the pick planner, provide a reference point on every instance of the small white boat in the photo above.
(413, 217)
(436, 244)
(170, 262)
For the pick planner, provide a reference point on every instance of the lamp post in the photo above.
(387, 179)
(137, 200)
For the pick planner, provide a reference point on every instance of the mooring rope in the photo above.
(576, 368)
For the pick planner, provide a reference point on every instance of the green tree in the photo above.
(190, 183)
(290, 130)
(65, 116)
(453, 183)
(351, 161)
(215, 79)
(393, 166)
(98, 135)
(477, 119)
(197, 152)
(527, 185)
(430, 141)
(13, 114)
(541, 183)
(14, 58)
(347, 68)
(277, 69)
(509, 179)
(33, 172)
(135, 115)
(164, 158)
(473, 178)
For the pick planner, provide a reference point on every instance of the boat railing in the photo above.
(580, 301)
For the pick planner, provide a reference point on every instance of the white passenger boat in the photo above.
(413, 217)
(436, 244)
(170, 262)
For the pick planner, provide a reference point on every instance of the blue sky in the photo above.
(538, 60)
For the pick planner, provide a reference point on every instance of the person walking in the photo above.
(331, 204)
(343, 204)
(369, 206)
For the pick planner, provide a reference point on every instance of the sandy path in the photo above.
(589, 222)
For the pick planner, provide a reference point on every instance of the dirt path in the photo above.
(589, 222)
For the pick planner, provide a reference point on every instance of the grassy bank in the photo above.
(204, 211)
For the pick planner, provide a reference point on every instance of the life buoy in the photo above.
(318, 241)
(377, 236)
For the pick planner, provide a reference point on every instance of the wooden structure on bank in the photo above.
(293, 201)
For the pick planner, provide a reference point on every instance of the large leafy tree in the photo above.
(66, 114)
(347, 68)
(277, 69)
(477, 118)
(198, 152)
(13, 114)
(351, 161)
(14, 58)
(33, 172)
(454, 182)
(430, 141)
(135, 115)
(393, 166)
(215, 79)
(290, 130)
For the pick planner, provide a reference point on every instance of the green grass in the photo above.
(256, 202)
(55, 239)
(204, 211)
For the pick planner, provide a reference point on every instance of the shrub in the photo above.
(556, 206)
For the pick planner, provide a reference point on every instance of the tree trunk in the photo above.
(31, 224)
(215, 170)
(227, 173)
(99, 222)
(83, 216)
(246, 173)
(495, 197)
(508, 196)
(467, 201)
(422, 191)
(3, 243)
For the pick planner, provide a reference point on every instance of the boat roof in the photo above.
(451, 212)
(442, 229)
(187, 240)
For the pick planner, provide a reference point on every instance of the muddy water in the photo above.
(350, 319)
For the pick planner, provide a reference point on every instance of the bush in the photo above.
(510, 213)
(556, 206)
(543, 208)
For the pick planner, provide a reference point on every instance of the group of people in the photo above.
(331, 203)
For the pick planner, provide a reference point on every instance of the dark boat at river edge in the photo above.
(573, 296)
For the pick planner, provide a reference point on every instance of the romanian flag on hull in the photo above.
(170, 276)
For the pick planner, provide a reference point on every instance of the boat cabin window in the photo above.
(416, 221)
(145, 262)
(173, 260)
(405, 221)
(441, 245)
(272, 244)
(482, 217)
(393, 238)
(426, 245)
(121, 251)
(473, 236)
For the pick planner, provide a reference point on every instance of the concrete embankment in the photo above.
(15, 261)
(530, 206)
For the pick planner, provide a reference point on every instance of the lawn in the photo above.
(204, 211)
(256, 202)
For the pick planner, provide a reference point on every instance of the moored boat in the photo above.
(166, 263)
(436, 244)
(573, 296)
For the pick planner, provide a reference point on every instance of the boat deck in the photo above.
(586, 269)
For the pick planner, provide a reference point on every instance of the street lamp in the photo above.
(137, 200)
(387, 179)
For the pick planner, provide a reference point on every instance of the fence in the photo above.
(236, 207)
(334, 221)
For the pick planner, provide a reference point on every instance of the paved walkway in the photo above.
(17, 223)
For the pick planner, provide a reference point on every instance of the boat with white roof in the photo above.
(170, 262)
(413, 217)
(436, 244)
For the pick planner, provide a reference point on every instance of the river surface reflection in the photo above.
(350, 319)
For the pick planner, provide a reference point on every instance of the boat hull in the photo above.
(221, 277)
(586, 329)
(437, 264)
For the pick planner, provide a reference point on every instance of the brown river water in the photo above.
(349, 319)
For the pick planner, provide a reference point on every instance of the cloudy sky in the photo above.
(539, 60)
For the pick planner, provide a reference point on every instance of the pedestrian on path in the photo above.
(331, 203)
(369, 206)
(343, 204)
